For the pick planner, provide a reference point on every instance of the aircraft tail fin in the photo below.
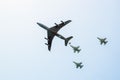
(67, 40)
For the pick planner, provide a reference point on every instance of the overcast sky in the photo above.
(24, 56)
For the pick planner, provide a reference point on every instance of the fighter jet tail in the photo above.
(105, 42)
(79, 50)
(81, 66)
(67, 40)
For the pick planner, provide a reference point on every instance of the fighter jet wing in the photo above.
(50, 38)
(57, 27)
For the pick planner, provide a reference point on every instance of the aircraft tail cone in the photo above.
(67, 40)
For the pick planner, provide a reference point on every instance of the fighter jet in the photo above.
(102, 40)
(51, 32)
(75, 48)
(78, 64)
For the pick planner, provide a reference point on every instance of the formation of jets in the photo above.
(75, 48)
(53, 31)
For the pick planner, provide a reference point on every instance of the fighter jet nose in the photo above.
(105, 38)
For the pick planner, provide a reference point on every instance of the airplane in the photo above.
(78, 64)
(75, 48)
(52, 32)
(102, 40)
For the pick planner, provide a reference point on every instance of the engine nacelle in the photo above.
(56, 24)
(46, 44)
(63, 22)
(46, 38)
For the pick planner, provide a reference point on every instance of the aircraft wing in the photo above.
(57, 27)
(50, 38)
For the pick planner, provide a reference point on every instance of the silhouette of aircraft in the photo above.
(51, 32)
(75, 48)
(78, 64)
(102, 40)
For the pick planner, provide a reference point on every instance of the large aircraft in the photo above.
(51, 32)
(75, 48)
(102, 40)
(78, 64)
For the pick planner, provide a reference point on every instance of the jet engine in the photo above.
(63, 22)
(46, 44)
(46, 38)
(56, 24)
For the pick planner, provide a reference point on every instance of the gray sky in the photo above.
(23, 55)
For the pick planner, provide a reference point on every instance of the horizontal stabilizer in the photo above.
(67, 40)
(105, 42)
